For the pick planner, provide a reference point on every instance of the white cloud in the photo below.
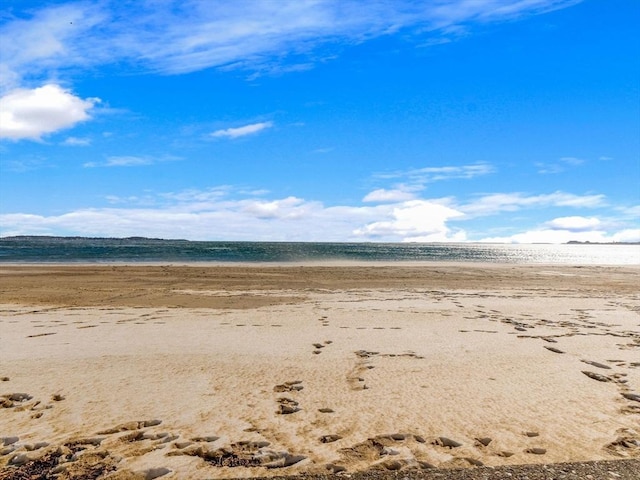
(178, 37)
(50, 38)
(572, 160)
(421, 176)
(130, 161)
(630, 235)
(216, 214)
(510, 202)
(32, 113)
(242, 131)
(121, 161)
(415, 220)
(633, 211)
(575, 228)
(560, 166)
(388, 196)
(574, 224)
(286, 208)
(230, 213)
(76, 142)
(565, 236)
(409, 182)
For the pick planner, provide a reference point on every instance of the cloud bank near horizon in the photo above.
(223, 213)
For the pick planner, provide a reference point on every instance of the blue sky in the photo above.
(321, 120)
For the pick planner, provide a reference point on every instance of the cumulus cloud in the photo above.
(383, 195)
(415, 220)
(630, 235)
(242, 131)
(223, 213)
(564, 236)
(32, 113)
(230, 213)
(286, 208)
(574, 224)
(575, 228)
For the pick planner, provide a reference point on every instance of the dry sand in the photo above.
(226, 372)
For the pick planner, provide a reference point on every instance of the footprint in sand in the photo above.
(333, 468)
(242, 454)
(627, 444)
(596, 364)
(446, 442)
(10, 400)
(292, 386)
(553, 349)
(596, 376)
(287, 406)
(631, 396)
(134, 425)
(536, 451)
(484, 441)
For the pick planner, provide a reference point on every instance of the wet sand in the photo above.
(252, 371)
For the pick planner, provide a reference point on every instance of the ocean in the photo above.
(144, 250)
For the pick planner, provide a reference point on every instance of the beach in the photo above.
(238, 371)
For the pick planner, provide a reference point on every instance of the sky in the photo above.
(321, 120)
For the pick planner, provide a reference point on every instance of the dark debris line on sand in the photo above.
(600, 470)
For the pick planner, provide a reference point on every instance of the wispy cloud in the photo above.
(129, 161)
(76, 142)
(510, 202)
(493, 204)
(436, 174)
(406, 184)
(177, 37)
(560, 166)
(242, 131)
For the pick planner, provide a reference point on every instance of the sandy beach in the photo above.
(209, 372)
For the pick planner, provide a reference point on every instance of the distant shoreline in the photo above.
(155, 239)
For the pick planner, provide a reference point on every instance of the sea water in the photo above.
(144, 250)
